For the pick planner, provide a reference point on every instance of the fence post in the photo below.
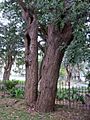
(89, 87)
(69, 93)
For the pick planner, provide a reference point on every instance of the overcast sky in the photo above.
(1, 0)
(2, 19)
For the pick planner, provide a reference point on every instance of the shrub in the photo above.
(17, 92)
(88, 76)
(72, 94)
(9, 84)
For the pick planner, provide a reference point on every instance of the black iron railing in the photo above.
(73, 96)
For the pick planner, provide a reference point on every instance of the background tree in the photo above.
(78, 52)
(11, 40)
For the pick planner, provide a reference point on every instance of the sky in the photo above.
(4, 21)
(1, 0)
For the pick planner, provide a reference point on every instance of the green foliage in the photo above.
(70, 94)
(17, 92)
(14, 91)
(11, 37)
(62, 72)
(88, 76)
(10, 84)
(48, 11)
(51, 11)
(78, 50)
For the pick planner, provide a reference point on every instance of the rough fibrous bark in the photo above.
(31, 54)
(57, 43)
(31, 60)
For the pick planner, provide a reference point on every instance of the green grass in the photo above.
(9, 113)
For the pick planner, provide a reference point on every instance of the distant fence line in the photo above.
(69, 96)
(72, 96)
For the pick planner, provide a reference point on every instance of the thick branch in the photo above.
(67, 33)
(22, 5)
(27, 13)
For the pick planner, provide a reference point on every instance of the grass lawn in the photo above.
(15, 109)
(8, 113)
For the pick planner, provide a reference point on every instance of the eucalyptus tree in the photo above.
(55, 22)
(55, 38)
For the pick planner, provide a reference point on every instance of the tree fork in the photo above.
(51, 65)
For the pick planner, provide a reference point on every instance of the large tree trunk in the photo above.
(31, 50)
(57, 43)
(31, 54)
(8, 66)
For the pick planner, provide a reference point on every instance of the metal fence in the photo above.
(73, 96)
(68, 95)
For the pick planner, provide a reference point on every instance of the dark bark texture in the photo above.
(57, 43)
(31, 60)
(31, 54)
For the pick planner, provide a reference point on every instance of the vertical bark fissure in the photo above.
(50, 67)
(31, 64)
(31, 54)
(27, 45)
